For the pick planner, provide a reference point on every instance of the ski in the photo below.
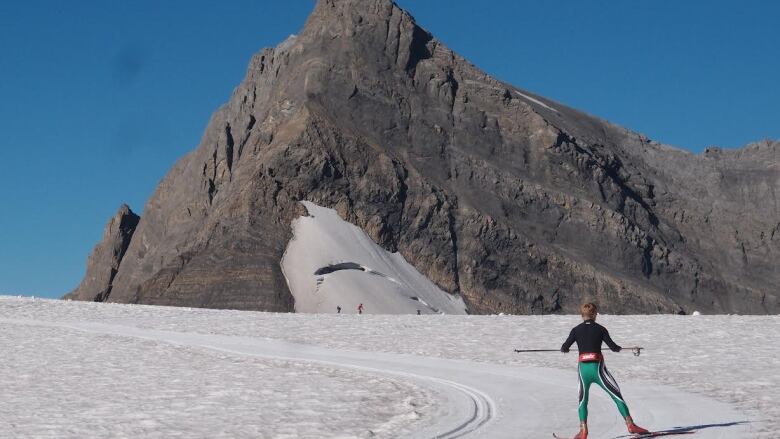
(652, 434)
(659, 434)
(655, 434)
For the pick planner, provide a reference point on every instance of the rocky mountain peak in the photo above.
(339, 17)
(517, 203)
(376, 34)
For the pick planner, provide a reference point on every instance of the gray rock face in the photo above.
(520, 204)
(105, 260)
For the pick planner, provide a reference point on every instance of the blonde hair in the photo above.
(589, 310)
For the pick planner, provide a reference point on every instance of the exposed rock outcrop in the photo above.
(106, 258)
(518, 203)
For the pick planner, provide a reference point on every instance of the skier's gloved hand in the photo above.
(565, 350)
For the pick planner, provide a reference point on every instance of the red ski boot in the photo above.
(583, 434)
(635, 429)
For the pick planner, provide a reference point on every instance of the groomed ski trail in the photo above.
(470, 408)
(484, 400)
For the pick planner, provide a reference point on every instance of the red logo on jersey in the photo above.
(590, 357)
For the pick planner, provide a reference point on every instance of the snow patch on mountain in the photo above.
(536, 101)
(331, 262)
(287, 43)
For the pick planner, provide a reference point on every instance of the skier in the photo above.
(589, 335)
(338, 309)
(360, 309)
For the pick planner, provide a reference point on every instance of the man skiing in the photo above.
(589, 335)
(360, 309)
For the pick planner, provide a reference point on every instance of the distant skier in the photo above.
(418, 312)
(360, 309)
(338, 309)
(589, 335)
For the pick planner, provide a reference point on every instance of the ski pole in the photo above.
(636, 350)
(537, 350)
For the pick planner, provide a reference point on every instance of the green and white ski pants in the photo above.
(596, 372)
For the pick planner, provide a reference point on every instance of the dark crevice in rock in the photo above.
(455, 86)
(249, 126)
(211, 179)
(229, 147)
(212, 190)
(647, 258)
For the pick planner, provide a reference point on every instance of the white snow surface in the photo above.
(536, 101)
(360, 271)
(89, 370)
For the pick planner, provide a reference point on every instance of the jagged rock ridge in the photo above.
(518, 203)
(104, 262)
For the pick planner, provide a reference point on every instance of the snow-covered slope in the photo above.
(331, 262)
(87, 370)
(82, 381)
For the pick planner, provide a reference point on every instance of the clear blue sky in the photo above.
(99, 98)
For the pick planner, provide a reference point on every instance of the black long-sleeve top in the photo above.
(589, 335)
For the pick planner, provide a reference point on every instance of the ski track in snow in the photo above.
(470, 408)
(143, 386)
(447, 397)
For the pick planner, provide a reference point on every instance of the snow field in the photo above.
(62, 383)
(706, 364)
